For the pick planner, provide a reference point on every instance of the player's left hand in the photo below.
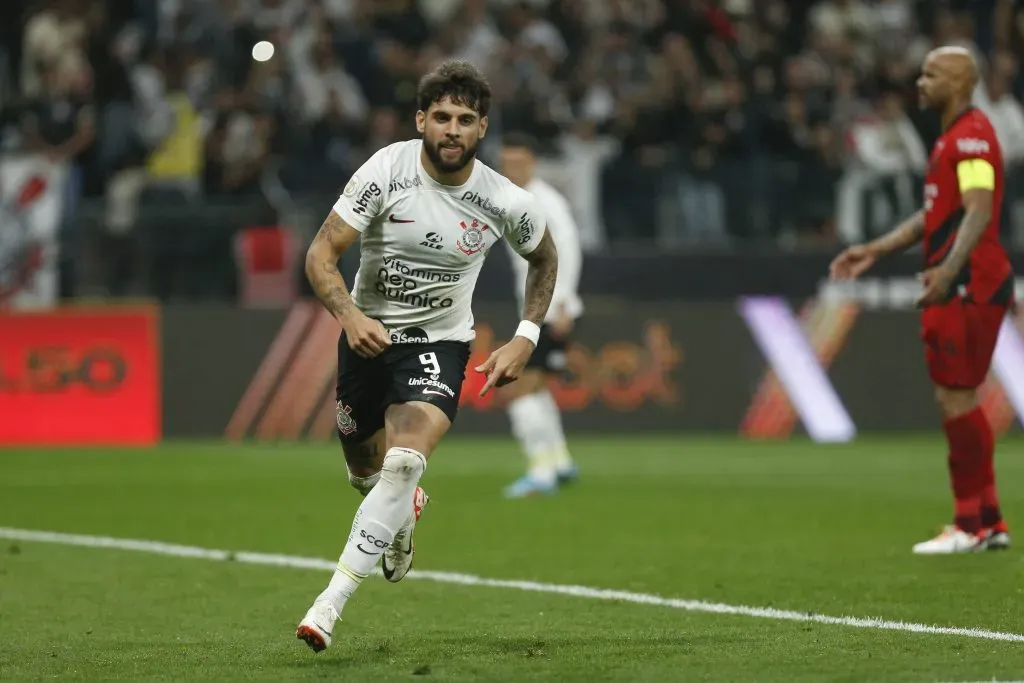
(936, 281)
(504, 365)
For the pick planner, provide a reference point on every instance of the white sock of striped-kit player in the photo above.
(386, 507)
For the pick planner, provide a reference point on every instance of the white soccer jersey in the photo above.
(423, 243)
(566, 237)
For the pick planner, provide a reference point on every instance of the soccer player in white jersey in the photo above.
(533, 414)
(426, 212)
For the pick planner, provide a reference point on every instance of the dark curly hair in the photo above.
(459, 81)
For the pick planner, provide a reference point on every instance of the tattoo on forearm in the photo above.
(971, 229)
(915, 230)
(904, 236)
(330, 287)
(322, 269)
(908, 236)
(540, 280)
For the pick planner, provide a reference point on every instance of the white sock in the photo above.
(558, 449)
(530, 427)
(383, 511)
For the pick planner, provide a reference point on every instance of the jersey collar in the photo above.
(961, 115)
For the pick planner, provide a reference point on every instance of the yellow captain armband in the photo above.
(975, 174)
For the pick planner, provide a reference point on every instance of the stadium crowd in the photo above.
(668, 122)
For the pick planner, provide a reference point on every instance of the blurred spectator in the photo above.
(53, 42)
(888, 160)
(842, 18)
(1004, 109)
(997, 100)
(676, 122)
(328, 94)
(60, 124)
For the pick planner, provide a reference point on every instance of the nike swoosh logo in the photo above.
(387, 571)
(393, 219)
(435, 392)
(359, 547)
(390, 571)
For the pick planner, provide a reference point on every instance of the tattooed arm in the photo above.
(857, 259)
(540, 279)
(365, 336)
(505, 364)
(905, 235)
(977, 179)
(334, 239)
(977, 215)
(938, 280)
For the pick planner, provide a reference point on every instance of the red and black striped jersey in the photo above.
(967, 156)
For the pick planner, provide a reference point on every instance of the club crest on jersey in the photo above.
(346, 423)
(472, 239)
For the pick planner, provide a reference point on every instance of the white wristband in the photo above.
(530, 330)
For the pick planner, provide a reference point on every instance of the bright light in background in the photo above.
(785, 347)
(263, 51)
(1008, 364)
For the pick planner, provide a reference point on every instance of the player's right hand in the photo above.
(853, 262)
(366, 336)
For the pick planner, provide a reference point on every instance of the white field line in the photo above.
(297, 562)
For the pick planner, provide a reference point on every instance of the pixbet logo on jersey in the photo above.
(396, 184)
(484, 203)
(472, 240)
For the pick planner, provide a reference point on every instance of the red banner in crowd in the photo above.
(80, 376)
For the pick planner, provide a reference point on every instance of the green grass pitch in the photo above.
(793, 526)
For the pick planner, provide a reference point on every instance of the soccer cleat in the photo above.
(951, 541)
(315, 628)
(568, 475)
(396, 561)
(529, 486)
(997, 537)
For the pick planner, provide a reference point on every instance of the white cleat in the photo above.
(315, 628)
(951, 541)
(396, 561)
(997, 539)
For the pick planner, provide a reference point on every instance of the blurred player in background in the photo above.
(426, 213)
(533, 413)
(968, 290)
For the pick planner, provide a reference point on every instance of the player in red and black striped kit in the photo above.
(968, 289)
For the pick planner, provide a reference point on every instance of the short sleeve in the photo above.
(526, 224)
(975, 174)
(363, 197)
(976, 156)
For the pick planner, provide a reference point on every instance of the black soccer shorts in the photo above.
(550, 354)
(427, 372)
